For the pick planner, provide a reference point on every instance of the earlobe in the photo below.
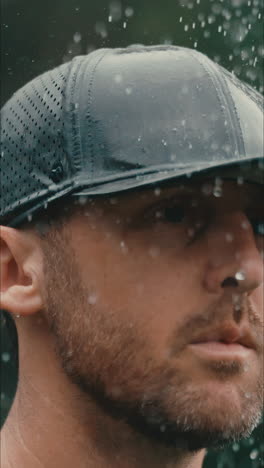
(20, 270)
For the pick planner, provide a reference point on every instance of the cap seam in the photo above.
(223, 108)
(88, 114)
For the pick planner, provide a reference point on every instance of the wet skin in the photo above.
(136, 281)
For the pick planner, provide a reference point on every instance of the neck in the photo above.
(52, 423)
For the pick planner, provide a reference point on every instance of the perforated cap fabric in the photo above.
(118, 119)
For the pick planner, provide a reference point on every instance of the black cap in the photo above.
(118, 119)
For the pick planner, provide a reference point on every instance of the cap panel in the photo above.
(250, 116)
(32, 153)
(76, 112)
(156, 108)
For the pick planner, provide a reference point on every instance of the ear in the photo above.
(20, 271)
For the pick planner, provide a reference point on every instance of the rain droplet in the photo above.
(157, 191)
(235, 447)
(128, 91)
(253, 455)
(77, 37)
(240, 180)
(82, 200)
(29, 218)
(5, 357)
(129, 11)
(240, 276)
(118, 78)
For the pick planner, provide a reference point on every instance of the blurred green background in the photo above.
(37, 35)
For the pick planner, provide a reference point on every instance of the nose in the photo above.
(233, 259)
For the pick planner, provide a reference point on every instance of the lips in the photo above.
(228, 335)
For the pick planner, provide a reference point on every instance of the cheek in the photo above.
(143, 280)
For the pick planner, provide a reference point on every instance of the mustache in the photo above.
(233, 310)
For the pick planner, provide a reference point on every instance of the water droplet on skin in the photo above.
(229, 237)
(124, 247)
(240, 276)
(236, 298)
(82, 200)
(154, 252)
(245, 225)
(190, 232)
(92, 299)
(113, 201)
(240, 180)
(217, 190)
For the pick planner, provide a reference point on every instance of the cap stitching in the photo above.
(88, 113)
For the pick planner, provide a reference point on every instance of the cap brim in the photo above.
(250, 170)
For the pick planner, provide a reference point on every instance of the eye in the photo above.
(174, 212)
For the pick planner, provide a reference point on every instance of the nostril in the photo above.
(230, 281)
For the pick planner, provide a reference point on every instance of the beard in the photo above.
(110, 361)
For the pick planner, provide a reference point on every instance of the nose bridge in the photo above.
(233, 257)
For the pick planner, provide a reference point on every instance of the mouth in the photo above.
(225, 343)
(221, 351)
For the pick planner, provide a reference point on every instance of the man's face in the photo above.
(141, 277)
